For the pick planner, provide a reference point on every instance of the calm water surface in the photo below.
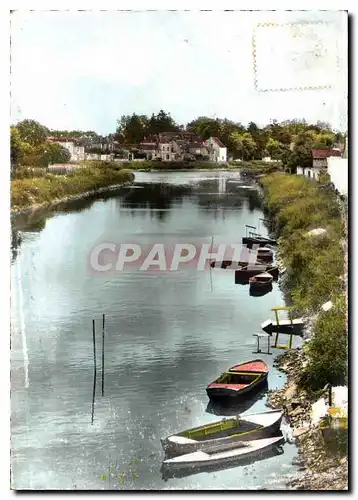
(168, 334)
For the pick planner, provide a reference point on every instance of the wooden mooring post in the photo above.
(94, 369)
(103, 323)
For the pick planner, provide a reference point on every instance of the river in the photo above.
(167, 335)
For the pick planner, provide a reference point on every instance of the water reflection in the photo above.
(158, 199)
(234, 409)
(260, 292)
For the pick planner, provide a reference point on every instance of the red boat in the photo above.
(239, 380)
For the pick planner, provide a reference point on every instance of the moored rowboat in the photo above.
(257, 240)
(239, 380)
(241, 451)
(261, 280)
(256, 365)
(246, 272)
(217, 435)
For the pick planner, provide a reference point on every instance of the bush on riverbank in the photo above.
(257, 167)
(327, 350)
(48, 188)
(315, 265)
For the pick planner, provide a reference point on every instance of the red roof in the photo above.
(60, 139)
(218, 142)
(325, 153)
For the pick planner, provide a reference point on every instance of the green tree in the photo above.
(324, 140)
(274, 148)
(280, 133)
(162, 122)
(131, 128)
(32, 132)
(16, 150)
(205, 127)
(245, 146)
(54, 153)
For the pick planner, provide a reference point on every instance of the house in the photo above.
(198, 149)
(216, 149)
(181, 146)
(319, 162)
(76, 150)
(319, 156)
(338, 171)
(166, 149)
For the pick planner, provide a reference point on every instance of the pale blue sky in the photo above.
(85, 69)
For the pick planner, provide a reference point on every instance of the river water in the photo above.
(167, 335)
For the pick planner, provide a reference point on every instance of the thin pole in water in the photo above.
(103, 323)
(211, 250)
(94, 344)
(95, 369)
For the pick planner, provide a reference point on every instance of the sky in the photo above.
(83, 70)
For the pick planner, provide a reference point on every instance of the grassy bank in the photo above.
(257, 167)
(49, 188)
(315, 268)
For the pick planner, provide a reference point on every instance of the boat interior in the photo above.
(242, 378)
(224, 428)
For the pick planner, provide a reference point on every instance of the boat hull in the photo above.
(245, 273)
(232, 394)
(250, 241)
(170, 473)
(173, 446)
(252, 450)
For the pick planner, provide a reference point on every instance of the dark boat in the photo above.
(224, 264)
(257, 240)
(246, 272)
(261, 281)
(239, 380)
(265, 254)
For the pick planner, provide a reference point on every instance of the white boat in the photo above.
(225, 432)
(242, 451)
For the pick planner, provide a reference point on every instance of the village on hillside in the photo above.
(166, 146)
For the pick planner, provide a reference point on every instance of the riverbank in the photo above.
(32, 194)
(255, 167)
(312, 245)
(323, 463)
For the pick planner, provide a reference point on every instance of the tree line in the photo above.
(290, 141)
(28, 146)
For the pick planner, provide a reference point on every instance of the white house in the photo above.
(76, 150)
(320, 159)
(217, 150)
(338, 171)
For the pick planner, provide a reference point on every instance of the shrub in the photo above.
(315, 266)
(327, 350)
